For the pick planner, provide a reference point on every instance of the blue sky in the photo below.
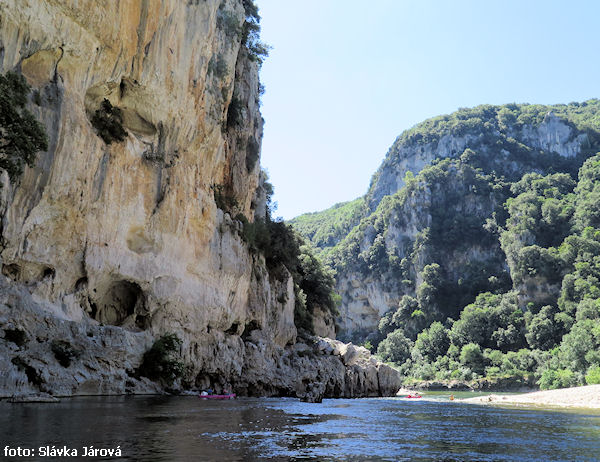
(346, 77)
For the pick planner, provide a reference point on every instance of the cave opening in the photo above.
(123, 304)
(248, 328)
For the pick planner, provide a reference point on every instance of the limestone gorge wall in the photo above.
(390, 257)
(552, 135)
(110, 245)
(399, 226)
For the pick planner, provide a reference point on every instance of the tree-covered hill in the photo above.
(475, 254)
(325, 229)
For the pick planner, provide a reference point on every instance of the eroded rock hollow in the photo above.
(113, 239)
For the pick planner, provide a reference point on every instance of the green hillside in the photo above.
(489, 258)
(325, 229)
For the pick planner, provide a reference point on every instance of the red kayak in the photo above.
(413, 396)
(229, 396)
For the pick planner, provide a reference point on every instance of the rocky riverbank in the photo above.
(111, 240)
(43, 351)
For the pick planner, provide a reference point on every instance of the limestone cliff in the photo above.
(118, 243)
(412, 153)
(408, 221)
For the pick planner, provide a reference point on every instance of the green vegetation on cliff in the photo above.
(544, 330)
(489, 257)
(502, 139)
(325, 229)
(286, 254)
(21, 135)
(161, 362)
(487, 119)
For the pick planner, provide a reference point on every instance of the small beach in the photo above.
(576, 397)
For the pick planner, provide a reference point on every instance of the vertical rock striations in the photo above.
(120, 241)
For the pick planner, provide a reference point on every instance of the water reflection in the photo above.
(186, 428)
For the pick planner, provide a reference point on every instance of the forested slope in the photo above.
(477, 254)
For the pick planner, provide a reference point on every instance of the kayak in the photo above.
(229, 396)
(413, 396)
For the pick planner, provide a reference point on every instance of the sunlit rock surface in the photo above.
(108, 246)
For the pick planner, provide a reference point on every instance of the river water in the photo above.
(280, 429)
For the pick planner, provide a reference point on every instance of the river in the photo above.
(280, 429)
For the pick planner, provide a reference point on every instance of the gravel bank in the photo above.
(583, 397)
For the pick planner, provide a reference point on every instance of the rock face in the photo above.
(381, 259)
(552, 135)
(118, 243)
(408, 157)
(375, 284)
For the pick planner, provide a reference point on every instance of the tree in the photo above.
(543, 332)
(395, 348)
(593, 375)
(161, 362)
(472, 357)
(579, 345)
(433, 342)
(21, 135)
(428, 290)
(587, 211)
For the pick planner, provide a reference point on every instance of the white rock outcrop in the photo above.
(119, 243)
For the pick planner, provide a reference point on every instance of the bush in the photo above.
(223, 200)
(472, 357)
(576, 346)
(433, 342)
(257, 50)
(543, 332)
(229, 23)
(160, 362)
(21, 136)
(395, 348)
(108, 122)
(218, 67)
(235, 114)
(593, 376)
(252, 153)
(557, 378)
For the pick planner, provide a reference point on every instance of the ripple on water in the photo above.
(185, 428)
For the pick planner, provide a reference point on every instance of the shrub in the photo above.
(433, 342)
(218, 66)
(543, 332)
(557, 378)
(302, 318)
(234, 112)
(593, 376)
(108, 122)
(160, 362)
(229, 23)
(257, 50)
(252, 153)
(472, 357)
(395, 348)
(583, 339)
(21, 136)
(223, 200)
